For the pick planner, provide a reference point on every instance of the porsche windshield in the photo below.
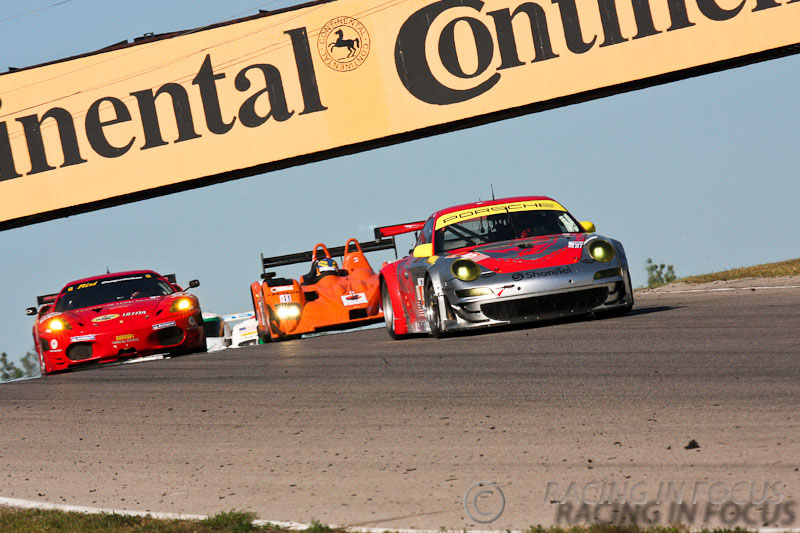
(103, 291)
(503, 227)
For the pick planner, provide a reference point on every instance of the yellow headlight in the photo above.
(58, 325)
(465, 270)
(287, 311)
(601, 251)
(181, 304)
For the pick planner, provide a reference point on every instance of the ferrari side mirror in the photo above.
(194, 283)
(588, 227)
(31, 311)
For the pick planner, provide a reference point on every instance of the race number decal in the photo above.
(354, 298)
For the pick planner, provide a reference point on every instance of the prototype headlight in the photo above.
(181, 304)
(58, 324)
(601, 251)
(465, 270)
(287, 311)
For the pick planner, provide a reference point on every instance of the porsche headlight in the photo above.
(58, 324)
(181, 304)
(465, 270)
(601, 251)
(287, 311)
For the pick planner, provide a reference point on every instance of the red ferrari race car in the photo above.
(328, 297)
(116, 316)
(501, 262)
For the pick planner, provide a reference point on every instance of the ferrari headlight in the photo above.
(287, 311)
(465, 270)
(58, 324)
(601, 251)
(181, 304)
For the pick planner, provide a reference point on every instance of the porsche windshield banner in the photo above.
(332, 78)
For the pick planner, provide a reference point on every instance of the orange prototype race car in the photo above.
(326, 298)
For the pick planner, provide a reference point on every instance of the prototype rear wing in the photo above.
(305, 257)
(46, 299)
(398, 229)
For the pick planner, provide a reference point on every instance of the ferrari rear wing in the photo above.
(305, 257)
(398, 229)
(46, 299)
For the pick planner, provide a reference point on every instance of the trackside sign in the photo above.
(338, 77)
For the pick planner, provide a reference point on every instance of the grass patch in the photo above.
(36, 521)
(768, 270)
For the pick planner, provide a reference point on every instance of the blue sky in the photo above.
(701, 174)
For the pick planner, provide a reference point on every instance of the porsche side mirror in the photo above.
(588, 227)
(423, 250)
(194, 284)
(31, 311)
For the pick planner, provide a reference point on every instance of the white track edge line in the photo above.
(30, 504)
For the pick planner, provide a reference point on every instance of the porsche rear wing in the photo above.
(46, 299)
(305, 257)
(398, 229)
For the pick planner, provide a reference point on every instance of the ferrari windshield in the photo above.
(503, 227)
(103, 291)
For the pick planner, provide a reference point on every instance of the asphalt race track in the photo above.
(356, 429)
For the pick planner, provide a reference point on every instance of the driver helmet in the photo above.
(326, 266)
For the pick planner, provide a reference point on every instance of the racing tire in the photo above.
(388, 312)
(619, 311)
(432, 311)
(264, 337)
(43, 366)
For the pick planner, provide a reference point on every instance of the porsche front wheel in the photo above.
(388, 311)
(432, 311)
(620, 311)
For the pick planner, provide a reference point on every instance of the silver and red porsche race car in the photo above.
(498, 262)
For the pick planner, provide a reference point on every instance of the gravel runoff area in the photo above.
(743, 283)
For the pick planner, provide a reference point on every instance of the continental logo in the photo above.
(439, 22)
(123, 338)
(343, 44)
(475, 212)
(197, 108)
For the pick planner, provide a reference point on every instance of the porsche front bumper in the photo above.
(538, 294)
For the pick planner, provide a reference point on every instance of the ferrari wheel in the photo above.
(42, 366)
(388, 311)
(432, 311)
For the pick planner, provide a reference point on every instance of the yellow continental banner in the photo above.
(337, 77)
